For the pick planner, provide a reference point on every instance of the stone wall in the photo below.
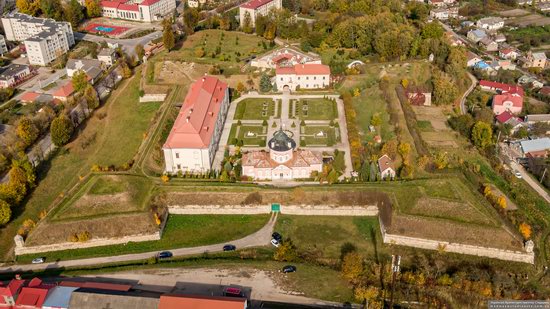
(310, 210)
(506, 255)
(95, 242)
(152, 98)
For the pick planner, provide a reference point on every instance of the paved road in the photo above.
(260, 238)
(467, 93)
(127, 44)
(530, 181)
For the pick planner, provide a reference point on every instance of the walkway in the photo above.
(258, 239)
(467, 93)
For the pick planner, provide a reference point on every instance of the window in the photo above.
(179, 166)
(281, 79)
(177, 155)
(307, 77)
(314, 77)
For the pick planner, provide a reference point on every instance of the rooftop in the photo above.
(12, 69)
(59, 297)
(490, 20)
(281, 141)
(304, 69)
(200, 302)
(534, 145)
(384, 163)
(254, 4)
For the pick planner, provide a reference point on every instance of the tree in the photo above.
(247, 23)
(5, 212)
(61, 130)
(140, 52)
(525, 230)
(240, 87)
(376, 120)
(79, 80)
(73, 13)
(390, 148)
(404, 150)
(445, 90)
(28, 6)
(432, 31)
(52, 9)
(441, 160)
(501, 202)
(265, 83)
(26, 131)
(15, 190)
(91, 97)
(191, 18)
(126, 71)
(352, 267)
(93, 8)
(168, 35)
(482, 134)
(286, 252)
(199, 52)
(367, 294)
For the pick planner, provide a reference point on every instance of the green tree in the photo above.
(52, 9)
(191, 18)
(26, 131)
(140, 52)
(168, 35)
(482, 134)
(376, 120)
(93, 8)
(15, 190)
(91, 97)
(445, 89)
(456, 62)
(247, 23)
(286, 252)
(432, 31)
(5, 212)
(79, 80)
(61, 130)
(265, 83)
(73, 13)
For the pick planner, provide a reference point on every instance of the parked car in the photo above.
(275, 242)
(278, 237)
(518, 174)
(165, 255)
(39, 260)
(229, 248)
(289, 269)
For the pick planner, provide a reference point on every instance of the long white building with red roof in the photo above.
(303, 76)
(140, 10)
(258, 7)
(193, 140)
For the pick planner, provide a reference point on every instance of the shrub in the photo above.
(165, 178)
(83, 236)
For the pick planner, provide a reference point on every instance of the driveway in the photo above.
(128, 45)
(258, 239)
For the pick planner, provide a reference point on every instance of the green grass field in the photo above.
(253, 109)
(241, 133)
(113, 139)
(181, 231)
(316, 109)
(309, 136)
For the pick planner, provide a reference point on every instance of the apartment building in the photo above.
(146, 10)
(258, 7)
(3, 45)
(45, 39)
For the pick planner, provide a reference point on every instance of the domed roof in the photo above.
(281, 142)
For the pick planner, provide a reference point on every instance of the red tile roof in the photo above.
(149, 2)
(305, 69)
(502, 87)
(504, 117)
(384, 163)
(196, 120)
(254, 4)
(200, 302)
(32, 297)
(11, 289)
(29, 96)
(545, 90)
(64, 91)
(110, 4)
(506, 51)
(500, 99)
(128, 7)
(97, 285)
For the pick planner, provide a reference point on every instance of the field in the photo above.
(98, 142)
(313, 109)
(312, 137)
(255, 109)
(251, 135)
(181, 231)
(433, 129)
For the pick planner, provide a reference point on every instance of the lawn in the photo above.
(242, 133)
(113, 138)
(255, 109)
(327, 234)
(315, 109)
(309, 136)
(424, 126)
(181, 231)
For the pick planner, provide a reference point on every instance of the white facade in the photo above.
(13, 74)
(107, 56)
(258, 7)
(145, 10)
(490, 23)
(3, 45)
(45, 39)
(303, 76)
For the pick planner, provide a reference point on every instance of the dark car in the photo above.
(165, 255)
(289, 269)
(229, 248)
(278, 237)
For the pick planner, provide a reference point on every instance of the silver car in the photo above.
(39, 260)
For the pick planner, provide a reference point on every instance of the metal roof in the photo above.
(535, 145)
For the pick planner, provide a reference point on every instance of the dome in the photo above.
(281, 142)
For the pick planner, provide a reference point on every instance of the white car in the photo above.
(518, 174)
(275, 243)
(39, 260)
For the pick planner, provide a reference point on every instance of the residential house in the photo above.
(444, 13)
(535, 148)
(107, 56)
(490, 23)
(507, 118)
(508, 53)
(500, 87)
(386, 167)
(453, 39)
(467, 24)
(283, 161)
(173, 301)
(488, 44)
(33, 295)
(484, 66)
(92, 67)
(31, 96)
(13, 75)
(63, 93)
(545, 7)
(472, 59)
(303, 76)
(502, 65)
(530, 82)
(534, 118)
(194, 138)
(254, 8)
(535, 60)
(476, 35)
(545, 90)
(195, 3)
(140, 10)
(499, 38)
(511, 102)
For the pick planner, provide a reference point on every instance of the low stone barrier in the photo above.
(152, 98)
(310, 210)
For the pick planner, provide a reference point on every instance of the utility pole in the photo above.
(395, 266)
(543, 174)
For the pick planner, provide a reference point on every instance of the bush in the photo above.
(83, 236)
(254, 198)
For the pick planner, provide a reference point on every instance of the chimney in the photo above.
(187, 119)
(289, 145)
(211, 113)
(205, 128)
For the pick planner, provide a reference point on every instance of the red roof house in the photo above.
(64, 92)
(97, 285)
(511, 102)
(501, 87)
(9, 293)
(201, 302)
(304, 69)
(504, 117)
(29, 96)
(254, 4)
(33, 295)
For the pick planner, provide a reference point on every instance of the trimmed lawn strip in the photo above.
(251, 109)
(317, 109)
(181, 231)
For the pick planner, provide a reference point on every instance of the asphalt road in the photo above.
(258, 239)
(128, 45)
